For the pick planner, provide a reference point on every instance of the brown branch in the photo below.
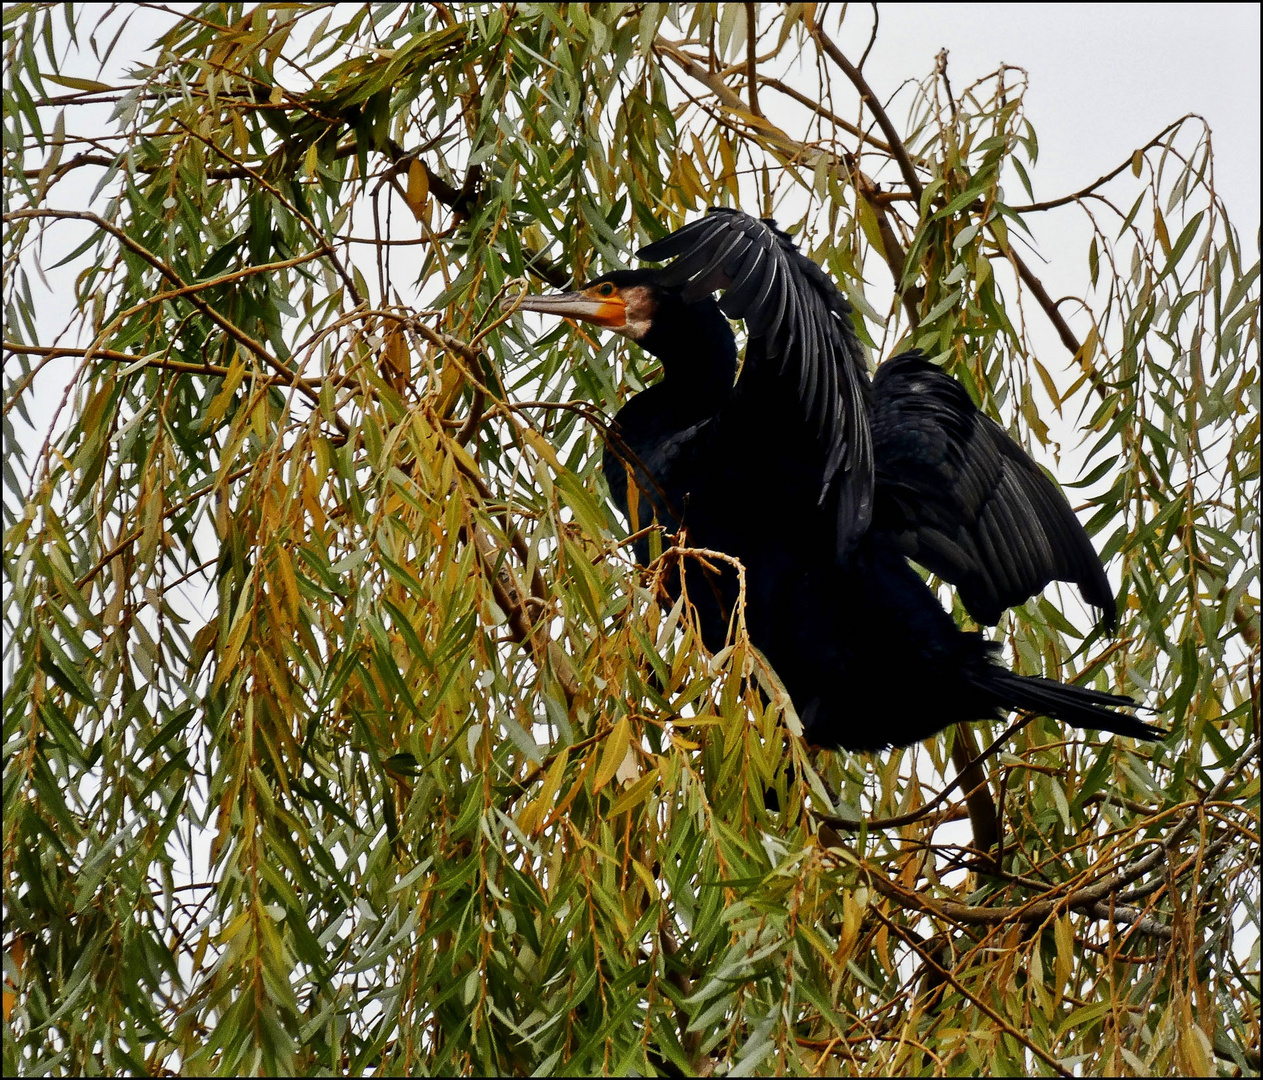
(325, 247)
(728, 98)
(1250, 1053)
(1084, 192)
(1118, 957)
(832, 117)
(474, 419)
(892, 250)
(870, 100)
(752, 71)
(507, 590)
(523, 786)
(1053, 312)
(690, 1041)
(983, 816)
(51, 352)
(872, 38)
(175, 507)
(1035, 911)
(923, 811)
(86, 157)
(1091, 898)
(1244, 620)
(940, 68)
(1049, 305)
(513, 599)
(173, 294)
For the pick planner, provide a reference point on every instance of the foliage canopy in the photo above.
(341, 731)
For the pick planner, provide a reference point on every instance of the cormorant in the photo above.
(824, 484)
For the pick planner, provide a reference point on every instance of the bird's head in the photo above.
(634, 304)
(624, 301)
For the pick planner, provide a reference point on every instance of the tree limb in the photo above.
(870, 100)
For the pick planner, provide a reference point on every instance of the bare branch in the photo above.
(874, 106)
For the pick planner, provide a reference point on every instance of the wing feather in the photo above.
(966, 502)
(799, 327)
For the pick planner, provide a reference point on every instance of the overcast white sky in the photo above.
(1104, 79)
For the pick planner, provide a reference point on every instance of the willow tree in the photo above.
(342, 731)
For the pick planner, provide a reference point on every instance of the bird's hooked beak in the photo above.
(600, 304)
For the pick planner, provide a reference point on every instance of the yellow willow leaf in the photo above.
(852, 920)
(552, 781)
(528, 818)
(451, 383)
(531, 818)
(285, 570)
(564, 805)
(636, 794)
(1050, 387)
(699, 156)
(236, 372)
(88, 85)
(240, 136)
(150, 526)
(612, 756)
(456, 450)
(243, 617)
(729, 158)
(542, 447)
(235, 927)
(1064, 967)
(418, 188)
(1198, 1050)
(395, 365)
(278, 680)
(868, 223)
(646, 879)
(1160, 227)
(690, 179)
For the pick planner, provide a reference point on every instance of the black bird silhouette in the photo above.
(824, 484)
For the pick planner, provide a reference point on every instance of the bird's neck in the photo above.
(698, 354)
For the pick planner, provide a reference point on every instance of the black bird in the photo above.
(824, 484)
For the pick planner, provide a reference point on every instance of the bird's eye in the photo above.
(606, 290)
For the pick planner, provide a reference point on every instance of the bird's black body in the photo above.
(824, 483)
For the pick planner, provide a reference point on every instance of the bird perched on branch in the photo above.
(824, 483)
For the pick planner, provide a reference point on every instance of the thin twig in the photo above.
(1084, 192)
(947, 976)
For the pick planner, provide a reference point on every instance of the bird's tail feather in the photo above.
(1073, 704)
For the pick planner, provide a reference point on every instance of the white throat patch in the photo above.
(640, 310)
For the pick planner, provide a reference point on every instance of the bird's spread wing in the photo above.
(960, 497)
(799, 329)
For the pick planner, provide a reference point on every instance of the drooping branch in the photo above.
(191, 293)
(53, 352)
(1036, 911)
(826, 114)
